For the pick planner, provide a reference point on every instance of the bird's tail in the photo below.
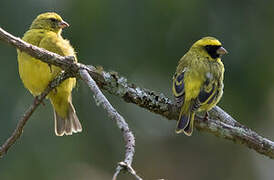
(185, 122)
(68, 124)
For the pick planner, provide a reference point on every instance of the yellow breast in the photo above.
(35, 74)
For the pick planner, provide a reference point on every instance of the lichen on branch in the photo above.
(220, 123)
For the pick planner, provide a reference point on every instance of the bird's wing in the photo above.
(55, 43)
(208, 92)
(178, 86)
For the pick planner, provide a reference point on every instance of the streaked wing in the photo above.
(52, 42)
(178, 87)
(207, 94)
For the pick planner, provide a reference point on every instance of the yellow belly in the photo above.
(35, 74)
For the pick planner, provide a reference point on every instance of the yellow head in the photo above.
(49, 21)
(209, 47)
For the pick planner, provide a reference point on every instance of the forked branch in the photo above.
(71, 69)
(120, 121)
(22, 122)
(220, 123)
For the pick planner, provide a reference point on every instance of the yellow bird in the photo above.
(45, 32)
(198, 81)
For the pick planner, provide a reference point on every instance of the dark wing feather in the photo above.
(178, 88)
(204, 95)
(178, 84)
(207, 94)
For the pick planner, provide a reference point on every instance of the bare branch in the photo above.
(22, 122)
(120, 121)
(220, 124)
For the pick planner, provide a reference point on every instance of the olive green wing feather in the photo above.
(55, 43)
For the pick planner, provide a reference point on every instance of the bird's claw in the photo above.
(206, 116)
(70, 58)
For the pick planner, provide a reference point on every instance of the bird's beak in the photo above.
(63, 24)
(221, 51)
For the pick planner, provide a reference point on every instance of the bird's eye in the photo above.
(53, 20)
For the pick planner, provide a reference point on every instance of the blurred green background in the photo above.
(143, 41)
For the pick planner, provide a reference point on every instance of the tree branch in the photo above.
(72, 69)
(120, 121)
(220, 123)
(22, 122)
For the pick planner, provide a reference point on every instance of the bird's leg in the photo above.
(36, 101)
(50, 68)
(42, 102)
(55, 90)
(206, 116)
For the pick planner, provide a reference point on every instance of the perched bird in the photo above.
(45, 32)
(198, 81)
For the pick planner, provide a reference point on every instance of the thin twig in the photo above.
(22, 122)
(220, 124)
(120, 121)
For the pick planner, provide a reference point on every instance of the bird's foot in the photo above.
(55, 90)
(206, 116)
(50, 68)
(70, 59)
(37, 99)
(42, 102)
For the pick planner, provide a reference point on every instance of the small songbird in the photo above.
(198, 81)
(45, 32)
